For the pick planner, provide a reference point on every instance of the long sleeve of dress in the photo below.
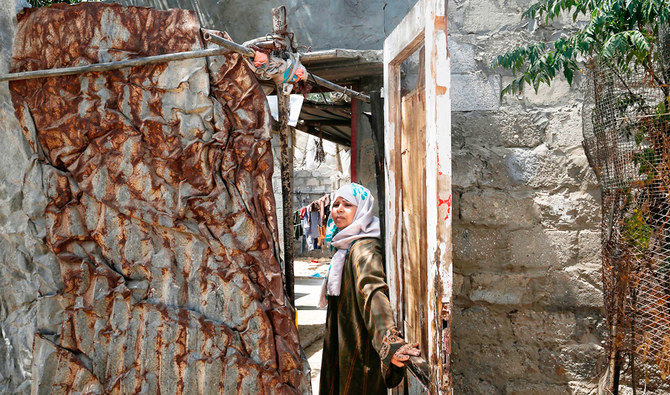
(375, 308)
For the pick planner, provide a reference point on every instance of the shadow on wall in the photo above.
(528, 314)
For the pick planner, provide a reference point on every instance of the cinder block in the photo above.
(477, 249)
(496, 208)
(540, 328)
(311, 182)
(499, 289)
(487, 16)
(481, 326)
(540, 248)
(590, 246)
(480, 167)
(564, 128)
(462, 57)
(566, 290)
(475, 92)
(569, 210)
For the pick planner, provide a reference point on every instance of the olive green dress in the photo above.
(361, 336)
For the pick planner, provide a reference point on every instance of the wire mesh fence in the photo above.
(627, 141)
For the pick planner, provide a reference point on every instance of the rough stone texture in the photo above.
(142, 227)
(528, 313)
(27, 267)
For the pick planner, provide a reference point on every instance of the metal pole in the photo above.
(26, 75)
(227, 46)
(317, 80)
(279, 24)
(230, 45)
(327, 84)
(286, 155)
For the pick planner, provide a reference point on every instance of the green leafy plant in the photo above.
(637, 232)
(619, 33)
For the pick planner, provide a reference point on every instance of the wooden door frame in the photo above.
(425, 24)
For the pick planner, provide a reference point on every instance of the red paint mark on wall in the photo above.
(448, 203)
(438, 161)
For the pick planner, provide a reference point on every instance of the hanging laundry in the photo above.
(306, 229)
(297, 225)
(314, 223)
(324, 205)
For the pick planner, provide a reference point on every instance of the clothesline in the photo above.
(308, 192)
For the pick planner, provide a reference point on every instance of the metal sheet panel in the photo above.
(160, 210)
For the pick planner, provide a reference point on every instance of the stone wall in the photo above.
(528, 314)
(26, 264)
(311, 179)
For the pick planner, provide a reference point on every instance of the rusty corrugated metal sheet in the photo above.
(160, 212)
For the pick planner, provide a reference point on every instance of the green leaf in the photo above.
(567, 72)
(619, 33)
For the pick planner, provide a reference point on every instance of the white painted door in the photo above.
(417, 133)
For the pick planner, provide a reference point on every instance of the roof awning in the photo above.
(328, 114)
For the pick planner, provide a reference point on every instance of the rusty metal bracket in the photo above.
(331, 85)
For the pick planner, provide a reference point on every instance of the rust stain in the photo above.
(440, 90)
(445, 317)
(161, 211)
(440, 23)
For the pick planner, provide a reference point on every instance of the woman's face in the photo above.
(343, 212)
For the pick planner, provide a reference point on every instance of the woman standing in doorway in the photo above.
(363, 351)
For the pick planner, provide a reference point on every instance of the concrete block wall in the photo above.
(28, 270)
(528, 314)
(311, 179)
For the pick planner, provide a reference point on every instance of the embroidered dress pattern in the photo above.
(392, 336)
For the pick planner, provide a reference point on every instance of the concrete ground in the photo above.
(311, 319)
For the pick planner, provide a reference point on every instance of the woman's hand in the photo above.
(402, 355)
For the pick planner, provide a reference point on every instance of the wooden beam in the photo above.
(377, 126)
(333, 139)
(425, 24)
(344, 122)
(354, 141)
